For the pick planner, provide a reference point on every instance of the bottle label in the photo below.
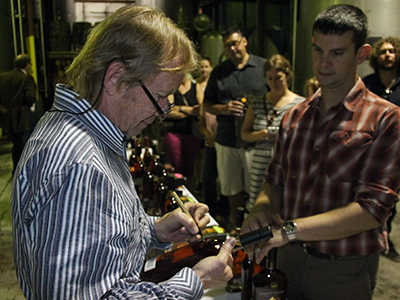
(267, 293)
(150, 264)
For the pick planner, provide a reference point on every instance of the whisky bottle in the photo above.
(270, 283)
(164, 266)
(168, 264)
(235, 284)
(239, 123)
(249, 270)
(147, 154)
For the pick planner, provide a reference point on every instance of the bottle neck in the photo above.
(271, 265)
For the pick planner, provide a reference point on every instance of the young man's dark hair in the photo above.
(231, 30)
(338, 19)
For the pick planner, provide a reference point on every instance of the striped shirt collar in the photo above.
(67, 101)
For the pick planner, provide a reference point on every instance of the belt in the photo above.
(314, 252)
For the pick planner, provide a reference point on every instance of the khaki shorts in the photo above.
(233, 166)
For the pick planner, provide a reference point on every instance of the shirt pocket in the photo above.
(345, 152)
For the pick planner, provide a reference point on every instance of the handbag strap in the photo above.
(270, 117)
(185, 100)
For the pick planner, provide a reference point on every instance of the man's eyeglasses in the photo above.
(232, 44)
(161, 111)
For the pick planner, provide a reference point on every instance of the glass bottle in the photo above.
(138, 164)
(235, 284)
(270, 283)
(162, 194)
(164, 266)
(148, 200)
(148, 154)
(247, 271)
(239, 122)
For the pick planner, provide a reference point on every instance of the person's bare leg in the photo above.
(235, 201)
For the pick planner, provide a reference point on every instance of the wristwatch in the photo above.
(290, 227)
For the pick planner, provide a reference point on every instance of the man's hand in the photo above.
(216, 270)
(234, 108)
(177, 226)
(260, 216)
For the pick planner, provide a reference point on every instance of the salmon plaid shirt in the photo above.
(350, 155)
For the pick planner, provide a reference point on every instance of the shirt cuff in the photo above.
(187, 284)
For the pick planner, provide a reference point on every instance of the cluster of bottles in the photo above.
(155, 185)
(153, 182)
(254, 281)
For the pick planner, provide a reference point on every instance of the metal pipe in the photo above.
(21, 29)
(14, 28)
(294, 34)
(43, 49)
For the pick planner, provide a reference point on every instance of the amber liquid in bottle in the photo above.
(168, 264)
(270, 283)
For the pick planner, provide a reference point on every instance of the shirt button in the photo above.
(316, 149)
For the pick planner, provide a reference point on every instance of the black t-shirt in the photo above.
(227, 83)
(184, 125)
(374, 84)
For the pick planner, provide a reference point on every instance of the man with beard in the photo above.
(384, 59)
(385, 82)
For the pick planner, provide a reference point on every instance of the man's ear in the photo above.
(245, 41)
(363, 52)
(113, 74)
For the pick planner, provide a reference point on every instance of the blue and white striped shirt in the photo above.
(80, 231)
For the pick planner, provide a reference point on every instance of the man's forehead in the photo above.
(387, 46)
(335, 40)
(233, 36)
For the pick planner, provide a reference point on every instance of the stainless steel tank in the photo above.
(211, 46)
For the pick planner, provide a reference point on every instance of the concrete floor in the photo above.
(9, 287)
(388, 284)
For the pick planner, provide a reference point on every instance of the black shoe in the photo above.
(392, 253)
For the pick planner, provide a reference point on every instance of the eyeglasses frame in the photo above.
(161, 112)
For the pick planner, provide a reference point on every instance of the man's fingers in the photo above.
(226, 250)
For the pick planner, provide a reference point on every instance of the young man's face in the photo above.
(335, 59)
(386, 59)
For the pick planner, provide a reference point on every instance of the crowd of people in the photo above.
(323, 168)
